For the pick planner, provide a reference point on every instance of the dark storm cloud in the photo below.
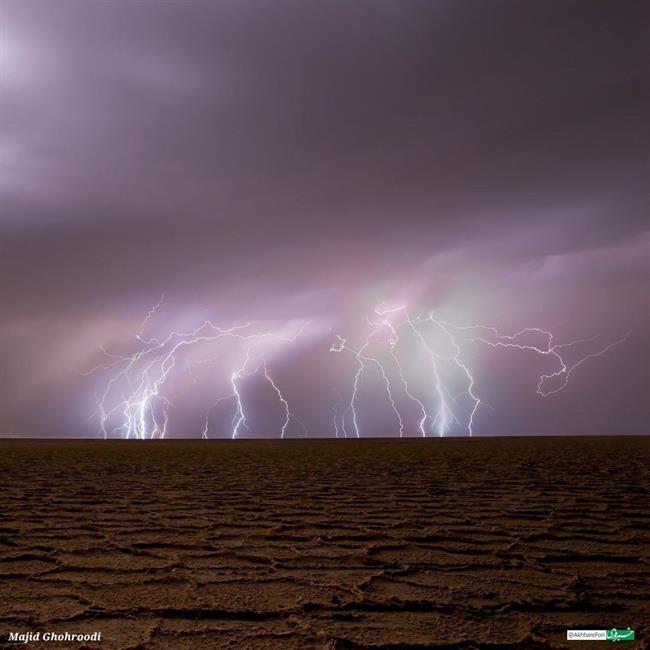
(255, 154)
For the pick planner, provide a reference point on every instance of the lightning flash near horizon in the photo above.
(421, 361)
(133, 404)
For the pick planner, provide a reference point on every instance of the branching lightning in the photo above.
(448, 367)
(548, 349)
(422, 362)
(133, 404)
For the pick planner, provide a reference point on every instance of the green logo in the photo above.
(620, 635)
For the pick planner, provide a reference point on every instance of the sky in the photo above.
(295, 164)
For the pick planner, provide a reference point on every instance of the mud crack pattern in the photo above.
(451, 543)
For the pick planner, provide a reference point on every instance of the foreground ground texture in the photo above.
(330, 544)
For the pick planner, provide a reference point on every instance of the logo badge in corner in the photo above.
(620, 635)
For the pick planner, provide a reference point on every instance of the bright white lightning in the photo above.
(442, 416)
(549, 349)
(150, 314)
(443, 412)
(239, 418)
(288, 415)
(362, 360)
(135, 402)
(335, 410)
(144, 411)
(462, 367)
(392, 342)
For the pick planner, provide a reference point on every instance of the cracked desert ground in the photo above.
(456, 543)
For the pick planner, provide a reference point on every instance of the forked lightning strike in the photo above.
(439, 396)
(134, 394)
(448, 368)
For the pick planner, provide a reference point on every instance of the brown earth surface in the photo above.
(456, 543)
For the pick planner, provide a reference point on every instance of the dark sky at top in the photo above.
(276, 160)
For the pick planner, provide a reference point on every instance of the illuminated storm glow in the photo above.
(135, 403)
(373, 218)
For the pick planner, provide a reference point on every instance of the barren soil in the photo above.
(451, 543)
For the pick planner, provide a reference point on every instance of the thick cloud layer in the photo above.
(285, 160)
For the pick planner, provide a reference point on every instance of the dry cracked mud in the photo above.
(453, 543)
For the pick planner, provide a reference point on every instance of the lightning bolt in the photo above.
(442, 415)
(362, 361)
(136, 403)
(335, 411)
(549, 349)
(288, 415)
(150, 314)
(141, 408)
(392, 342)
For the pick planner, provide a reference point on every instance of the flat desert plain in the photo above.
(453, 543)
